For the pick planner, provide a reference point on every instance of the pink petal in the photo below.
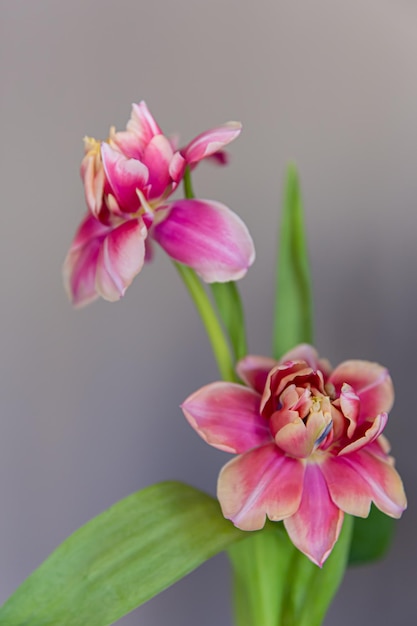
(366, 434)
(261, 483)
(142, 122)
(349, 405)
(157, 158)
(315, 526)
(383, 480)
(254, 370)
(226, 416)
(92, 174)
(177, 167)
(305, 352)
(211, 141)
(120, 259)
(124, 176)
(296, 437)
(370, 381)
(80, 265)
(348, 490)
(207, 236)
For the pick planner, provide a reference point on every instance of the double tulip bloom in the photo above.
(308, 441)
(128, 180)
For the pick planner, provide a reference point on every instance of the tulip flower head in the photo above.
(309, 444)
(128, 180)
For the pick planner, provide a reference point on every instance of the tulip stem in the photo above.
(211, 323)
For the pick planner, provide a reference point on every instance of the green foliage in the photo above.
(371, 537)
(122, 558)
(293, 305)
(229, 305)
(276, 585)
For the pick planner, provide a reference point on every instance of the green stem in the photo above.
(212, 325)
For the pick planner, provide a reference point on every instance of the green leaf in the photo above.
(122, 558)
(371, 537)
(293, 305)
(276, 585)
(229, 305)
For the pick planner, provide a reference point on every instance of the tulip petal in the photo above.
(383, 480)
(370, 381)
(254, 370)
(226, 416)
(366, 434)
(305, 352)
(261, 483)
(316, 525)
(120, 259)
(124, 176)
(348, 490)
(207, 236)
(157, 158)
(80, 265)
(211, 141)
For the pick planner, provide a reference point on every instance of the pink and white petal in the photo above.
(93, 179)
(211, 141)
(142, 123)
(121, 258)
(349, 405)
(261, 483)
(370, 381)
(128, 143)
(207, 236)
(348, 490)
(125, 176)
(297, 438)
(315, 527)
(254, 370)
(157, 157)
(302, 352)
(177, 167)
(383, 480)
(364, 436)
(226, 416)
(79, 270)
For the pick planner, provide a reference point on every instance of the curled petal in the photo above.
(226, 416)
(350, 406)
(305, 352)
(210, 142)
(176, 168)
(315, 526)
(261, 483)
(366, 434)
(79, 270)
(370, 381)
(207, 236)
(254, 370)
(120, 259)
(383, 480)
(296, 437)
(125, 176)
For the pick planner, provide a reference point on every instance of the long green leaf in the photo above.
(293, 306)
(122, 558)
(371, 537)
(229, 305)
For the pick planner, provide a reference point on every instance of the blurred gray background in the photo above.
(89, 398)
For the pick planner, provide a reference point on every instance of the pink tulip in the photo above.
(308, 441)
(127, 182)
